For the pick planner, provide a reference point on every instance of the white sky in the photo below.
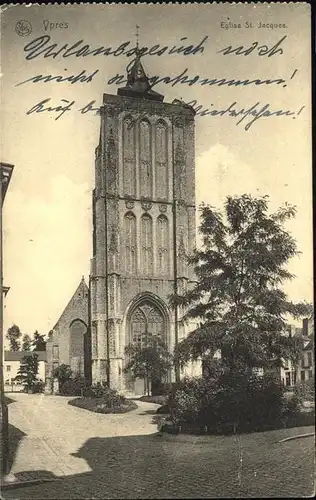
(47, 212)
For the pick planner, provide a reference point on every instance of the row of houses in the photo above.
(305, 369)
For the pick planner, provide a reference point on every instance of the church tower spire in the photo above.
(138, 84)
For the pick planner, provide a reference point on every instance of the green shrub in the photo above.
(305, 391)
(123, 408)
(163, 410)
(110, 397)
(232, 401)
(186, 400)
(63, 373)
(162, 389)
(73, 387)
(104, 404)
(38, 387)
(159, 400)
(292, 405)
(250, 403)
(96, 390)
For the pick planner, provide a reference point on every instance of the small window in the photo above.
(303, 375)
(55, 352)
(310, 374)
(8, 368)
(309, 359)
(287, 378)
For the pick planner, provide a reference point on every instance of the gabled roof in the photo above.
(19, 355)
(80, 293)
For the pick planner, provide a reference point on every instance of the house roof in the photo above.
(80, 292)
(19, 355)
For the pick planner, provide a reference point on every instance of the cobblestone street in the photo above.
(121, 456)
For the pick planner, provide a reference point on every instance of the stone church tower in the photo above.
(143, 223)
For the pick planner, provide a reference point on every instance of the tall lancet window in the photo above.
(130, 243)
(145, 160)
(129, 157)
(161, 160)
(180, 170)
(162, 245)
(147, 244)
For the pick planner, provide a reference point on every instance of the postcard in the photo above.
(157, 331)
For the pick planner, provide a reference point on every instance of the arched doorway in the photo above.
(147, 319)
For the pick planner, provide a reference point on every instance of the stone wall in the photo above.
(66, 344)
(144, 184)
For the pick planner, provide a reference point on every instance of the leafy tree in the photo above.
(305, 391)
(63, 373)
(13, 335)
(151, 360)
(38, 342)
(27, 374)
(309, 313)
(238, 302)
(26, 342)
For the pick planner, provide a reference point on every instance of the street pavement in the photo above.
(121, 456)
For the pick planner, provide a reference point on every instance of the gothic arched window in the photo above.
(145, 160)
(146, 321)
(129, 157)
(138, 327)
(77, 332)
(180, 162)
(161, 160)
(162, 245)
(130, 243)
(147, 244)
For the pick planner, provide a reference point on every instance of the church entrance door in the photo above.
(146, 321)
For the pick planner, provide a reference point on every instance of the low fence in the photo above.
(13, 388)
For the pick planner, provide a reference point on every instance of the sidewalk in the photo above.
(45, 434)
(275, 436)
(26, 478)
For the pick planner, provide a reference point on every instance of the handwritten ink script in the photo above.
(81, 77)
(182, 78)
(39, 47)
(200, 80)
(247, 115)
(254, 112)
(262, 50)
